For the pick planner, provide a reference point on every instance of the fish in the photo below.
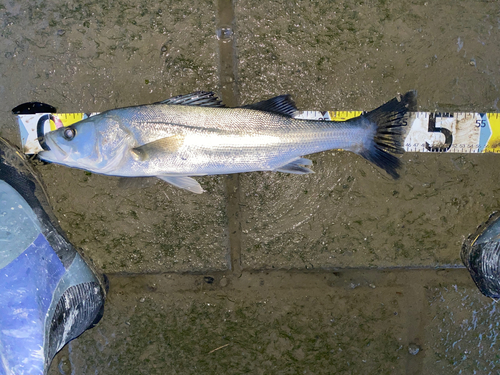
(197, 135)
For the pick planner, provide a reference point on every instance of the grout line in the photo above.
(339, 271)
(227, 53)
(234, 225)
(417, 310)
(230, 97)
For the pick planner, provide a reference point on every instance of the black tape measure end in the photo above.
(32, 108)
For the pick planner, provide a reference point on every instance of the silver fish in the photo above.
(195, 135)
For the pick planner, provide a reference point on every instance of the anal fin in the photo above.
(303, 161)
(296, 167)
(183, 182)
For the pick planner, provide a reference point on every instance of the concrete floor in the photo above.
(344, 271)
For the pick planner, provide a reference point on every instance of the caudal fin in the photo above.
(388, 140)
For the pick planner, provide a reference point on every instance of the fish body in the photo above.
(194, 135)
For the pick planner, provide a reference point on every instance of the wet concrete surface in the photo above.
(339, 219)
(352, 322)
(343, 271)
(153, 228)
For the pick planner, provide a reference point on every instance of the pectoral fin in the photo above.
(296, 167)
(162, 146)
(183, 182)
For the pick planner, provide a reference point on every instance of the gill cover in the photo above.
(72, 145)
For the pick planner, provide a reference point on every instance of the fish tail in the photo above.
(389, 120)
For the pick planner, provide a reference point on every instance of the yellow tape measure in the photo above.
(423, 132)
(65, 119)
(437, 132)
(343, 115)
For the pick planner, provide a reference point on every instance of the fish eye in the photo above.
(69, 134)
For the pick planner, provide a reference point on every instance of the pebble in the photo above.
(413, 349)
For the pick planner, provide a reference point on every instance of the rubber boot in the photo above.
(49, 294)
(481, 255)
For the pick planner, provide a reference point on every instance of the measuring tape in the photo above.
(437, 132)
(32, 127)
(423, 132)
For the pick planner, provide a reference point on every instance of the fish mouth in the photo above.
(54, 153)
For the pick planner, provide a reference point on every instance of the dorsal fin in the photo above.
(281, 105)
(198, 98)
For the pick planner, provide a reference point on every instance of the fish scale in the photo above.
(252, 140)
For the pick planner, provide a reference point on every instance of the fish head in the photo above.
(86, 145)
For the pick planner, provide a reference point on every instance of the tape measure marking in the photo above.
(423, 132)
(438, 132)
(492, 133)
(32, 126)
